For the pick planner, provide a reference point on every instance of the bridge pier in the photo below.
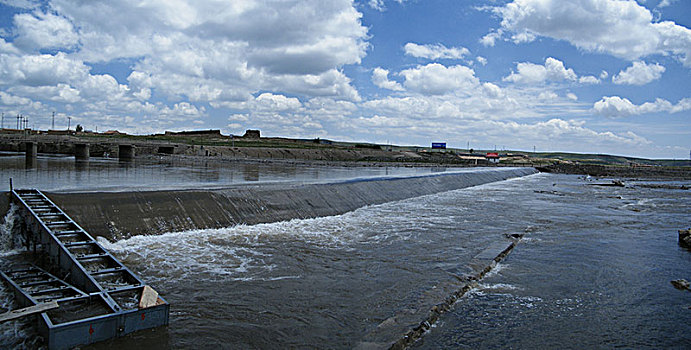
(31, 152)
(126, 152)
(31, 149)
(81, 151)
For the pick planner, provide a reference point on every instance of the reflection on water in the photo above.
(64, 173)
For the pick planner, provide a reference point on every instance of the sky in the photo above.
(586, 76)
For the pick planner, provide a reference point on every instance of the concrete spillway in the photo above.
(117, 215)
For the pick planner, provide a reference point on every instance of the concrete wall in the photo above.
(117, 215)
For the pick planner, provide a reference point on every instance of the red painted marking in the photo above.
(91, 330)
(143, 316)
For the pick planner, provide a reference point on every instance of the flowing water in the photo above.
(593, 270)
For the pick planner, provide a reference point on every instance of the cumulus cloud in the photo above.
(491, 38)
(615, 106)
(23, 4)
(665, 3)
(588, 80)
(11, 100)
(278, 103)
(242, 46)
(41, 70)
(573, 132)
(187, 53)
(621, 28)
(380, 78)
(435, 52)
(639, 73)
(377, 5)
(40, 30)
(437, 79)
(552, 70)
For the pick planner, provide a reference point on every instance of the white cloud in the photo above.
(182, 111)
(380, 78)
(44, 30)
(615, 106)
(435, 52)
(604, 75)
(225, 52)
(621, 28)
(436, 79)
(571, 96)
(276, 103)
(11, 100)
(572, 132)
(23, 4)
(665, 3)
(6, 47)
(491, 38)
(492, 90)
(377, 5)
(552, 70)
(481, 60)
(378, 121)
(40, 70)
(639, 73)
(588, 80)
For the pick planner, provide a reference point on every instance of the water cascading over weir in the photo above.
(118, 215)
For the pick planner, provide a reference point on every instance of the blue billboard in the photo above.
(438, 145)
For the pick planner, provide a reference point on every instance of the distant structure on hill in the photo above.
(205, 133)
(251, 134)
(492, 157)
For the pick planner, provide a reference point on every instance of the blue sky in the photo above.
(597, 76)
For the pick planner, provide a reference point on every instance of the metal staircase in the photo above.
(98, 298)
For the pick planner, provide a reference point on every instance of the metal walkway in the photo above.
(99, 297)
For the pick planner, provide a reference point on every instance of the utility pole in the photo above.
(69, 121)
(52, 127)
(17, 121)
(533, 149)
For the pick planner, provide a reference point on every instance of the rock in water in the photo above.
(681, 284)
(685, 238)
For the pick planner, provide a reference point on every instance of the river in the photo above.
(593, 270)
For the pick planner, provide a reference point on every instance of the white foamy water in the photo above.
(9, 241)
(244, 252)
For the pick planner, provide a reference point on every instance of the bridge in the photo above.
(98, 298)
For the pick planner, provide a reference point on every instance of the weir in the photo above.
(118, 215)
(98, 297)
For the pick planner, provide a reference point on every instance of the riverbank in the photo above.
(644, 172)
